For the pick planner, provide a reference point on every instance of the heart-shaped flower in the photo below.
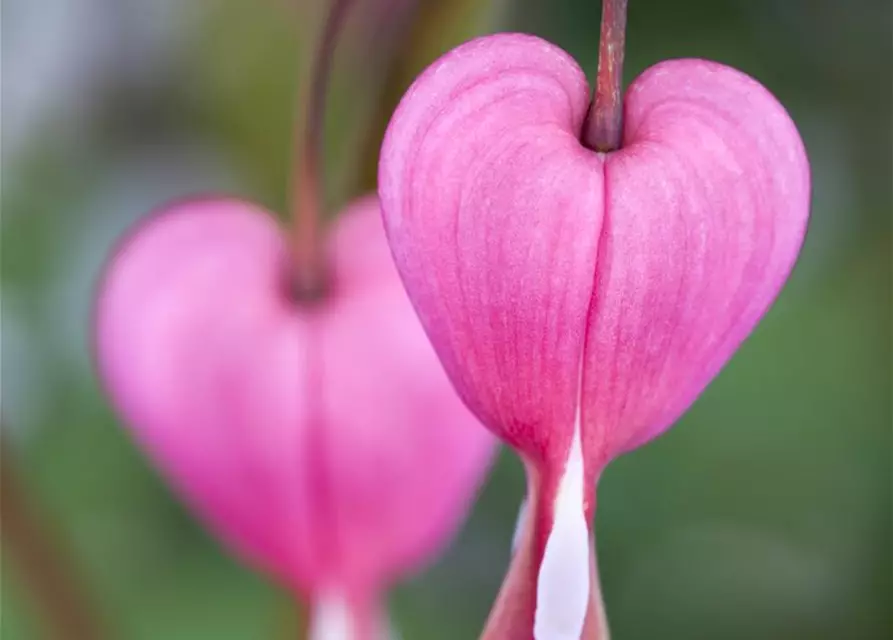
(321, 441)
(580, 301)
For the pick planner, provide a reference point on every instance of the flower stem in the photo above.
(426, 29)
(425, 20)
(65, 611)
(308, 248)
(604, 126)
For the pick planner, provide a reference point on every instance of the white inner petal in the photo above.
(562, 590)
(331, 619)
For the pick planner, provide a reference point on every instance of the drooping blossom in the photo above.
(319, 440)
(580, 301)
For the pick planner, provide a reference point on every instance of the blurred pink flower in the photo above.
(581, 301)
(324, 443)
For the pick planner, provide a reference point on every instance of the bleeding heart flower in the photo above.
(323, 441)
(580, 301)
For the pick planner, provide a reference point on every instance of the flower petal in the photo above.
(493, 211)
(707, 205)
(195, 351)
(404, 456)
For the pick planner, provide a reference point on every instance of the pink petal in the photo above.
(293, 432)
(196, 351)
(493, 211)
(706, 209)
(416, 455)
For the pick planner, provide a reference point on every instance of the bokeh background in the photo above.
(765, 513)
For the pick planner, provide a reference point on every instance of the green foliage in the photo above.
(764, 514)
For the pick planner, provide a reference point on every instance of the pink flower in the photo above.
(581, 301)
(322, 442)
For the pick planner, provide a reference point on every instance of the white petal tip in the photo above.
(562, 591)
(331, 619)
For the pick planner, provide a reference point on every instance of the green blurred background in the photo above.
(765, 513)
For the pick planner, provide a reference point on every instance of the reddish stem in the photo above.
(419, 19)
(310, 278)
(46, 573)
(604, 126)
(512, 615)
